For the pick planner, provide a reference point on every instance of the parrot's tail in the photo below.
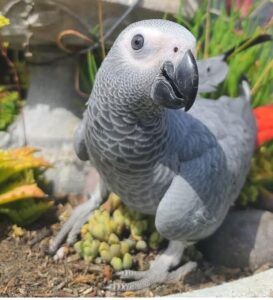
(264, 121)
(245, 89)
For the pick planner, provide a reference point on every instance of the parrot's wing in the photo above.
(185, 212)
(194, 204)
(212, 72)
(79, 143)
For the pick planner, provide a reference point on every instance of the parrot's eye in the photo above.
(137, 42)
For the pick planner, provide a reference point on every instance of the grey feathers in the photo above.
(79, 143)
(186, 168)
(212, 72)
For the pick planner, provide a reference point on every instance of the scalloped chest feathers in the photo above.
(129, 154)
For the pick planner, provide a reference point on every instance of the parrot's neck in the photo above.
(149, 120)
(119, 90)
(134, 137)
(142, 137)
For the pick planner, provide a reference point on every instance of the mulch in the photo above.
(26, 270)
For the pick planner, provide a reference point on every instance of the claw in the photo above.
(131, 275)
(114, 287)
(158, 273)
(60, 254)
(146, 282)
(180, 273)
(72, 227)
(146, 279)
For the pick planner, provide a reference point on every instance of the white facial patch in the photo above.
(161, 43)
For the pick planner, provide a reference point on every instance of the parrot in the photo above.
(160, 146)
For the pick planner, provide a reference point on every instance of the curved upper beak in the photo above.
(176, 86)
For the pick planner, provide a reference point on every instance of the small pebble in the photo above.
(61, 253)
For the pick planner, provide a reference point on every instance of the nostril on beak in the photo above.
(175, 49)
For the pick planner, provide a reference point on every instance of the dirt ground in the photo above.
(26, 270)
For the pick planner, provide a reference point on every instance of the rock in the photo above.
(265, 201)
(257, 285)
(244, 240)
(43, 127)
(4, 139)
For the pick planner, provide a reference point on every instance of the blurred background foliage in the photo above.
(9, 106)
(259, 182)
(217, 33)
(21, 198)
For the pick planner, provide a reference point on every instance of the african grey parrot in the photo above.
(184, 167)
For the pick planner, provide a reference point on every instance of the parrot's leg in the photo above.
(79, 216)
(160, 271)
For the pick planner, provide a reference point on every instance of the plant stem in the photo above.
(100, 13)
(258, 83)
(261, 30)
(9, 62)
(14, 73)
(207, 31)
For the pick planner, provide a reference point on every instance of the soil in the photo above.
(26, 269)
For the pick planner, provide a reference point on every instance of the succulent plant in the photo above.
(114, 233)
(127, 261)
(141, 245)
(21, 199)
(260, 178)
(116, 263)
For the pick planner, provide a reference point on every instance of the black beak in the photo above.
(176, 87)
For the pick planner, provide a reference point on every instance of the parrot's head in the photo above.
(151, 64)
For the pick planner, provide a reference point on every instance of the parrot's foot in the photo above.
(146, 279)
(162, 270)
(72, 227)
